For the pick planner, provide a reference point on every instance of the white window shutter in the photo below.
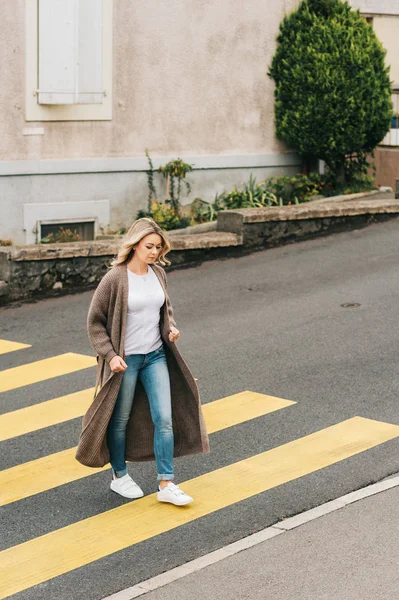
(392, 137)
(395, 132)
(57, 51)
(70, 52)
(90, 80)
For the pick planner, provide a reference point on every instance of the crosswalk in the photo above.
(18, 377)
(45, 414)
(43, 558)
(7, 346)
(60, 468)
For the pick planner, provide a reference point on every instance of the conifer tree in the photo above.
(333, 92)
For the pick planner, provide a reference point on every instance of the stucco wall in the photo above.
(387, 30)
(126, 193)
(187, 78)
(372, 7)
(385, 15)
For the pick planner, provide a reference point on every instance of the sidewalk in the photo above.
(351, 553)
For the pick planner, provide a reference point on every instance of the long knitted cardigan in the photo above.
(106, 325)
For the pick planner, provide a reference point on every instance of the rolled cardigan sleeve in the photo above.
(169, 307)
(97, 321)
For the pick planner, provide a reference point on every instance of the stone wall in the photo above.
(272, 233)
(48, 269)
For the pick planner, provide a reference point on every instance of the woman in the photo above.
(148, 405)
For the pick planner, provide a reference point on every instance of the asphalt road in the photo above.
(271, 322)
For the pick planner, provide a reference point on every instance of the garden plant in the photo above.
(333, 92)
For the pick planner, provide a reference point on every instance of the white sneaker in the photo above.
(126, 487)
(172, 493)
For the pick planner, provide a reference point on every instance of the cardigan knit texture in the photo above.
(106, 326)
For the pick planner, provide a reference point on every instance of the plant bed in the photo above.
(261, 226)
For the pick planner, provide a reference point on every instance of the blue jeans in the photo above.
(152, 370)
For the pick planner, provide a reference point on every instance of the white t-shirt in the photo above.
(146, 296)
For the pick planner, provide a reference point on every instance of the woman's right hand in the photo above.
(117, 364)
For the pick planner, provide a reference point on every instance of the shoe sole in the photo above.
(175, 503)
(129, 497)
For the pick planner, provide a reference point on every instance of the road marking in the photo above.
(86, 541)
(7, 346)
(242, 407)
(239, 408)
(164, 579)
(40, 370)
(60, 468)
(45, 414)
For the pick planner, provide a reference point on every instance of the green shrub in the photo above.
(281, 190)
(333, 93)
(165, 215)
(275, 191)
(253, 195)
(202, 211)
(172, 171)
(362, 183)
(295, 188)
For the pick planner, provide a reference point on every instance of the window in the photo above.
(84, 229)
(392, 137)
(42, 218)
(69, 59)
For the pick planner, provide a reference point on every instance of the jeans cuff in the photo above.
(169, 477)
(121, 472)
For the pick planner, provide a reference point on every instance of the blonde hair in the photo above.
(139, 229)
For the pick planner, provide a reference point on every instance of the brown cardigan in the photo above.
(106, 324)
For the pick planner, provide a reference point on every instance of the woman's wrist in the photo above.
(110, 355)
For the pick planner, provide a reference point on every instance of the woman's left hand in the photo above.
(174, 334)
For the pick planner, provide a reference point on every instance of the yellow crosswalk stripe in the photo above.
(81, 543)
(239, 408)
(7, 346)
(18, 422)
(40, 370)
(24, 420)
(60, 468)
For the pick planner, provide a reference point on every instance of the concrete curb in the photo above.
(257, 538)
(354, 196)
(235, 220)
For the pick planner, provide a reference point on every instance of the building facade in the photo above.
(384, 17)
(88, 85)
